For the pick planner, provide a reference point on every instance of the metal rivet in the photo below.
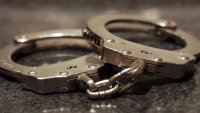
(63, 73)
(163, 23)
(157, 59)
(92, 66)
(23, 38)
(126, 52)
(183, 57)
(110, 40)
(32, 72)
(85, 31)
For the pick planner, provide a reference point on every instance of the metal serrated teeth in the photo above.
(95, 40)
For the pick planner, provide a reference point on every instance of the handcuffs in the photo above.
(85, 72)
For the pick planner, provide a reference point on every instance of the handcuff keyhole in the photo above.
(146, 52)
(72, 67)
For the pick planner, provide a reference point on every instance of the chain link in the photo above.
(118, 83)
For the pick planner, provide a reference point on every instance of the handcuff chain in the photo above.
(115, 84)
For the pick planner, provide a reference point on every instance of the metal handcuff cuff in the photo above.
(120, 52)
(83, 72)
(59, 77)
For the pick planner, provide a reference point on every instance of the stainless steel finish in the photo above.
(68, 75)
(103, 93)
(118, 83)
(129, 75)
(59, 77)
(120, 52)
(60, 33)
(83, 72)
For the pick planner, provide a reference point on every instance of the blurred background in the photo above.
(154, 96)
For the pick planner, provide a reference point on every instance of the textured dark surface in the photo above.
(152, 96)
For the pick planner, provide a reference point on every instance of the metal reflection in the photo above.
(96, 108)
(61, 109)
